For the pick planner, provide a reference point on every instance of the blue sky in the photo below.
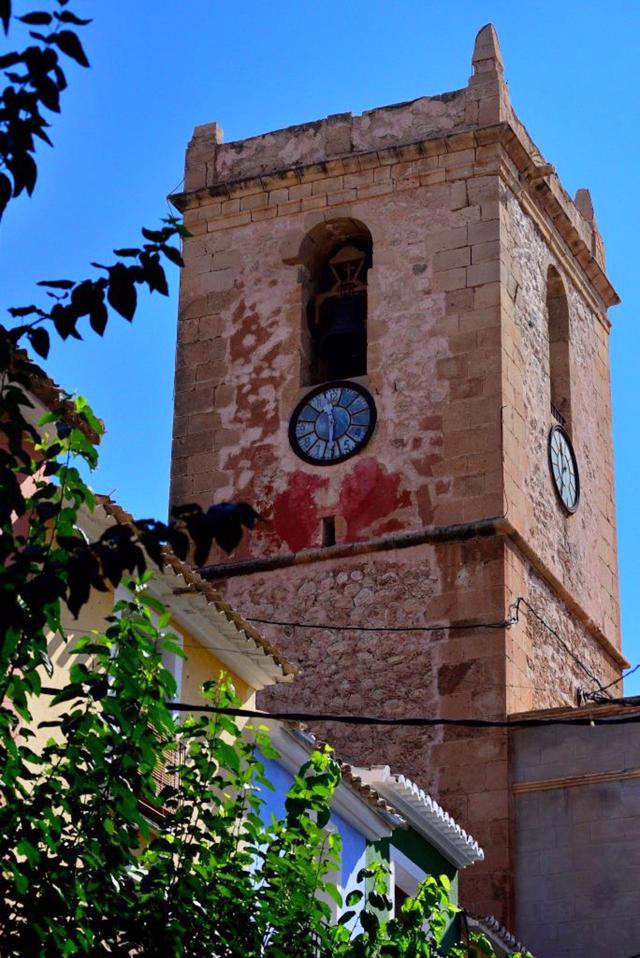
(159, 68)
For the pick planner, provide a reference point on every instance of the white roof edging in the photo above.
(424, 815)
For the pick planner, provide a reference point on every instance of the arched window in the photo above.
(559, 355)
(337, 256)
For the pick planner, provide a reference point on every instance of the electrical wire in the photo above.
(408, 721)
(617, 682)
(513, 619)
(521, 601)
(503, 624)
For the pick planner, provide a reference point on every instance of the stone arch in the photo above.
(557, 308)
(335, 257)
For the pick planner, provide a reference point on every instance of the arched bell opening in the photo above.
(559, 349)
(337, 256)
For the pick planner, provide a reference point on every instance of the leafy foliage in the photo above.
(34, 80)
(99, 858)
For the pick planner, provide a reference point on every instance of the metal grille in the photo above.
(168, 759)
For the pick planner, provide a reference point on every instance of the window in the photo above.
(328, 531)
(559, 355)
(337, 256)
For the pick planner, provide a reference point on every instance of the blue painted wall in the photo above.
(353, 842)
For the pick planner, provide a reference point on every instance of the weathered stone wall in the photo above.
(323, 139)
(577, 840)
(400, 673)
(433, 327)
(580, 549)
(546, 669)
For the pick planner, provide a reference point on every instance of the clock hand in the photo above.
(328, 409)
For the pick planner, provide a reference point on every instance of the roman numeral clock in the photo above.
(332, 422)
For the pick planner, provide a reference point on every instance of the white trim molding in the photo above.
(424, 815)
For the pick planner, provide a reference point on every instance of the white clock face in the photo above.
(332, 423)
(564, 468)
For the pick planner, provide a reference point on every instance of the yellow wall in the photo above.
(92, 616)
(201, 666)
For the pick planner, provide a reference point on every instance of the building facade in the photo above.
(380, 817)
(393, 341)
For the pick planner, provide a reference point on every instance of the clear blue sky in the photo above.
(161, 67)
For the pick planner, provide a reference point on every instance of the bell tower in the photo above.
(393, 341)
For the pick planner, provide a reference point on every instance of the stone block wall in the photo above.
(397, 673)
(553, 653)
(577, 839)
(579, 550)
(433, 328)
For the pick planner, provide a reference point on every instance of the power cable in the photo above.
(617, 682)
(415, 722)
(513, 619)
(521, 601)
(503, 624)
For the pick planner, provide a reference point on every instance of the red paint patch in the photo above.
(295, 511)
(368, 494)
(392, 525)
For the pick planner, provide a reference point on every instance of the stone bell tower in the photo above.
(393, 341)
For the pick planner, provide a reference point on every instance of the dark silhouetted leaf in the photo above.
(5, 14)
(173, 254)
(39, 339)
(154, 273)
(22, 310)
(69, 44)
(37, 18)
(127, 251)
(9, 59)
(5, 192)
(67, 17)
(50, 97)
(122, 292)
(370, 923)
(65, 319)
(155, 236)
(248, 515)
(98, 317)
(57, 283)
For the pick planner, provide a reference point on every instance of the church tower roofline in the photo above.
(436, 138)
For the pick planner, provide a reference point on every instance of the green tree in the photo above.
(83, 869)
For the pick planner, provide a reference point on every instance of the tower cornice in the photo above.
(423, 162)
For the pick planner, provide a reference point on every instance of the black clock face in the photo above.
(332, 422)
(564, 468)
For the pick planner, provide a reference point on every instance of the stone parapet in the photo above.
(283, 163)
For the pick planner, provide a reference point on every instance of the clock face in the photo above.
(332, 422)
(564, 468)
